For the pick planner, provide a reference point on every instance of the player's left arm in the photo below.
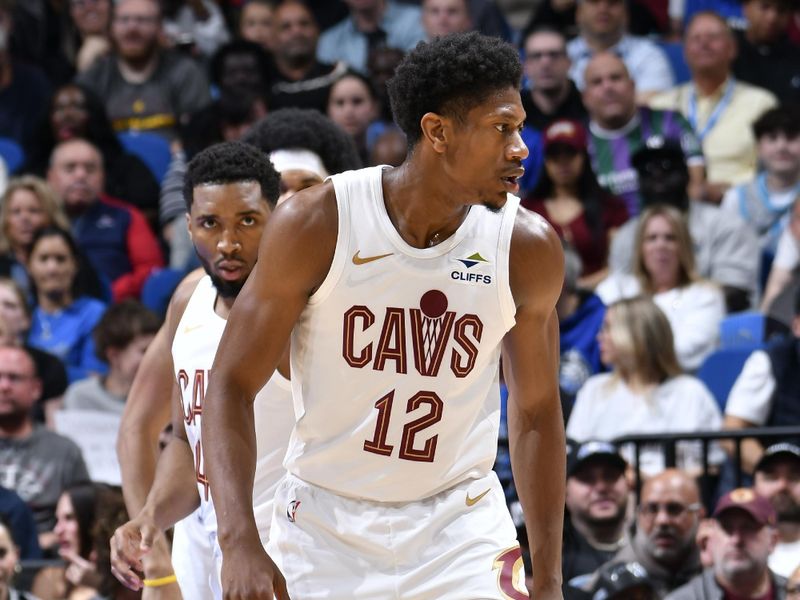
(535, 423)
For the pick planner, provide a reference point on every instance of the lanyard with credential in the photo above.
(712, 120)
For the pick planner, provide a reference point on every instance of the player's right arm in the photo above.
(295, 256)
(173, 494)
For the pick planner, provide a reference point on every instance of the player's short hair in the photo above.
(781, 119)
(120, 325)
(450, 76)
(231, 162)
(308, 129)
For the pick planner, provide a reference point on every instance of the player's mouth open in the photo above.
(511, 183)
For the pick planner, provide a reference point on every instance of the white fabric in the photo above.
(337, 548)
(192, 558)
(694, 313)
(607, 408)
(750, 397)
(785, 558)
(787, 256)
(298, 159)
(193, 349)
(342, 381)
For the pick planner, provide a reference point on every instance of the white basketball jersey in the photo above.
(395, 358)
(193, 350)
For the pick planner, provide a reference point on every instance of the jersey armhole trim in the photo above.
(508, 307)
(342, 244)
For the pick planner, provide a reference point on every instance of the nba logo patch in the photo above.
(292, 509)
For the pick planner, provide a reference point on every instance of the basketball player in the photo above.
(229, 189)
(399, 287)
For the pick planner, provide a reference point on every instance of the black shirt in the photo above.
(774, 67)
(310, 92)
(579, 557)
(571, 108)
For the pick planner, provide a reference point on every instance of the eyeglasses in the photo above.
(15, 377)
(551, 54)
(135, 20)
(674, 510)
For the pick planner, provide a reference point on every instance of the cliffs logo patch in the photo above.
(472, 260)
(291, 510)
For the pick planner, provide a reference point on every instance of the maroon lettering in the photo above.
(392, 343)
(462, 365)
(378, 443)
(429, 338)
(411, 429)
(366, 317)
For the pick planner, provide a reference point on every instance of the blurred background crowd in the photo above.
(664, 141)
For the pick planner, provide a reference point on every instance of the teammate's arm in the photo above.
(295, 255)
(173, 494)
(147, 412)
(535, 423)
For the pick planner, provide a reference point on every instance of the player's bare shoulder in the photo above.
(536, 262)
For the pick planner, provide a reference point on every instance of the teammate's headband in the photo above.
(298, 159)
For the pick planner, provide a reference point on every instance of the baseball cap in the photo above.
(565, 132)
(776, 450)
(657, 147)
(747, 500)
(618, 581)
(578, 454)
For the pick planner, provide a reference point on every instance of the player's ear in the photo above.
(434, 130)
(189, 225)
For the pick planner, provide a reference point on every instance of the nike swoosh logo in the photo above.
(358, 260)
(190, 328)
(476, 499)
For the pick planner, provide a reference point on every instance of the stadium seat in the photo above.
(674, 52)
(720, 370)
(151, 148)
(12, 153)
(158, 289)
(742, 330)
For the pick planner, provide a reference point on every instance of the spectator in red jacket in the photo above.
(114, 235)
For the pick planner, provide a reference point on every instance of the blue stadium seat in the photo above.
(151, 148)
(674, 52)
(12, 153)
(720, 370)
(158, 288)
(742, 330)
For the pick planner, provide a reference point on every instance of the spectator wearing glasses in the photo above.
(662, 540)
(552, 95)
(739, 543)
(145, 87)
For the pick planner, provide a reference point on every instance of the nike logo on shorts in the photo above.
(476, 499)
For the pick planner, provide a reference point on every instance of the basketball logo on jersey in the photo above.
(291, 510)
(432, 327)
(511, 574)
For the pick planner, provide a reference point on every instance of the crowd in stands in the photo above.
(664, 141)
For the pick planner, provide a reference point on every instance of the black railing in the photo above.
(668, 442)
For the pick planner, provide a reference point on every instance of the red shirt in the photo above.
(592, 248)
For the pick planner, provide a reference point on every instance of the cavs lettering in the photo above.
(424, 333)
(192, 408)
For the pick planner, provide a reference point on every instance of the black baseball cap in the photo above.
(622, 581)
(777, 450)
(580, 453)
(657, 147)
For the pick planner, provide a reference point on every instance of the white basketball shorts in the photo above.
(457, 545)
(193, 558)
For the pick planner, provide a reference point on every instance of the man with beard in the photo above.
(299, 80)
(145, 87)
(740, 540)
(229, 190)
(777, 478)
(663, 540)
(725, 248)
(38, 464)
(597, 501)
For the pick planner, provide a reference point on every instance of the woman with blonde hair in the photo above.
(646, 390)
(27, 205)
(664, 269)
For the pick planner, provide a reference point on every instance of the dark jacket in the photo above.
(705, 587)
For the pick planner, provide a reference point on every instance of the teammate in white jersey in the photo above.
(401, 286)
(229, 190)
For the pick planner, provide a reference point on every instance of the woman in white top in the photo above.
(646, 391)
(664, 269)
